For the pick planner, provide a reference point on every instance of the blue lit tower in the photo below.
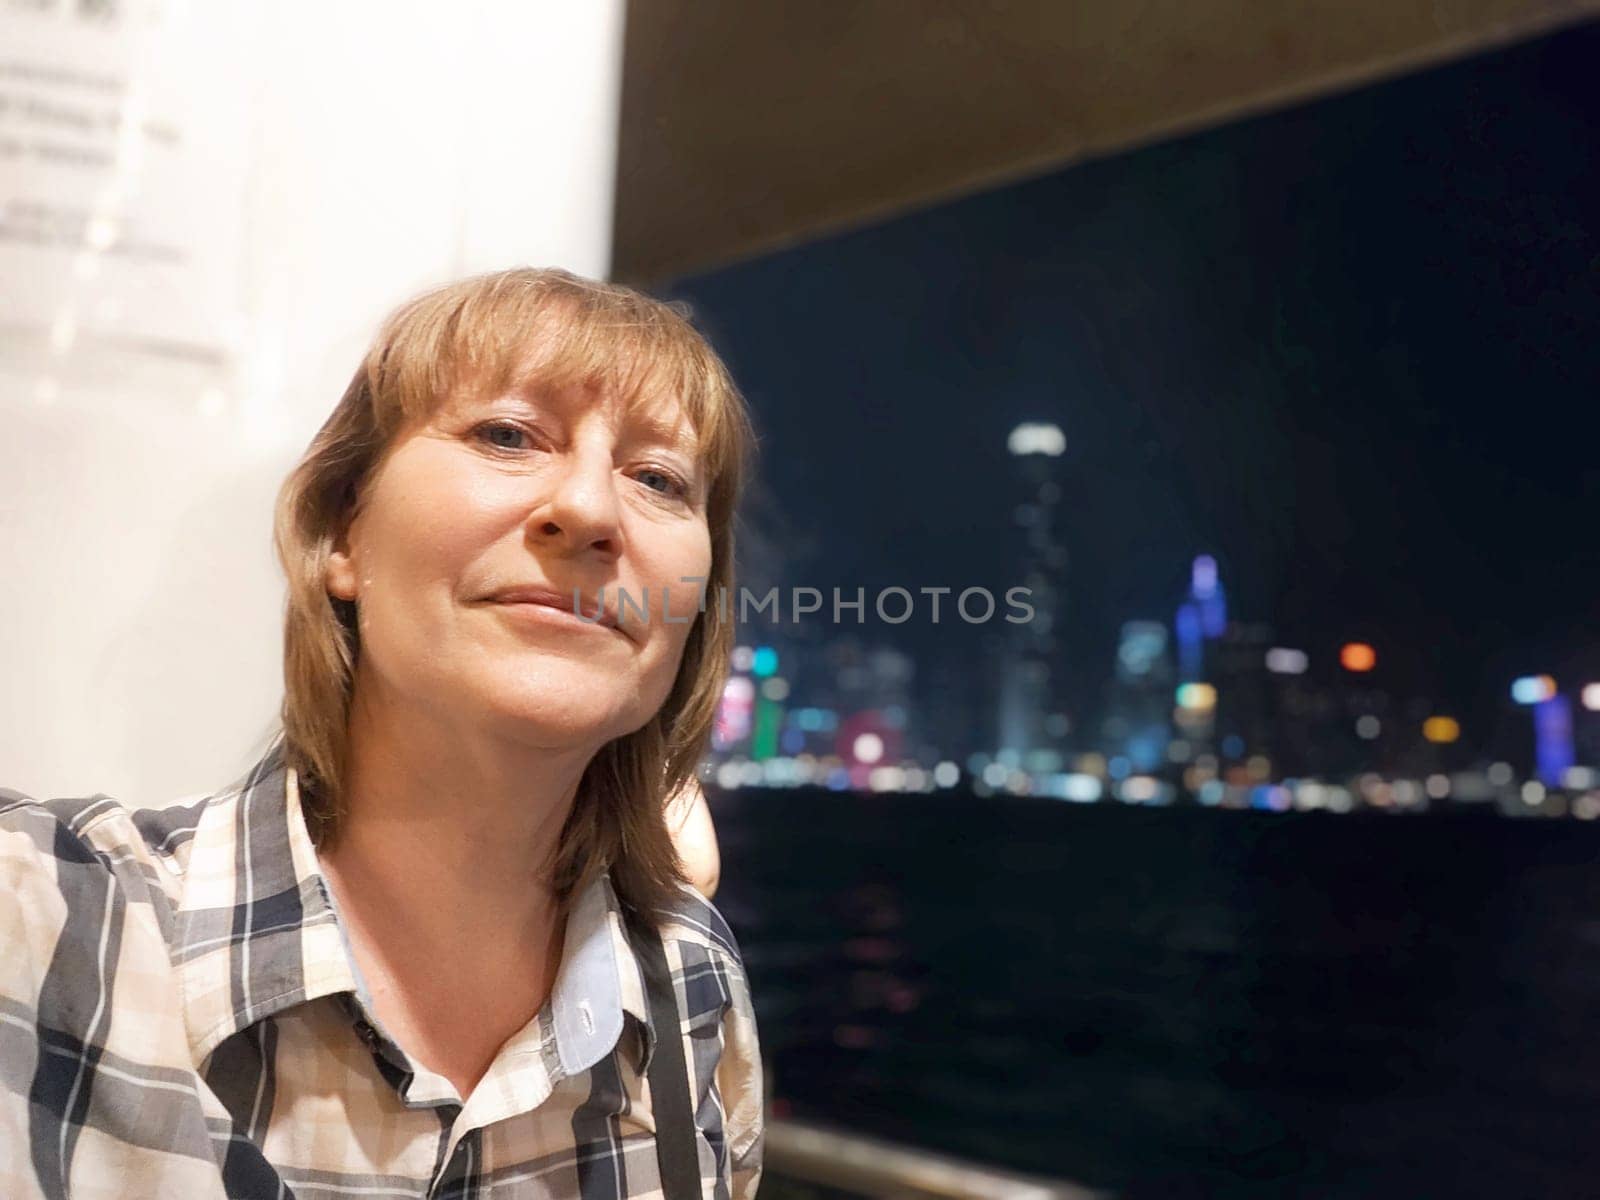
(1554, 753)
(1033, 725)
(1201, 620)
(1202, 617)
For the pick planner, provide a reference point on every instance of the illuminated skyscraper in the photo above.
(1202, 617)
(1032, 718)
(1553, 745)
(869, 689)
(1138, 723)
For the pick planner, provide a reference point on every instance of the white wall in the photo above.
(333, 158)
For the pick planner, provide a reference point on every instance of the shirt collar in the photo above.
(256, 932)
(599, 980)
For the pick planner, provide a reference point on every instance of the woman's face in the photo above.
(540, 488)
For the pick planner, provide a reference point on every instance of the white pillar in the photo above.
(205, 209)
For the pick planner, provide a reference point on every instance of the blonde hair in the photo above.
(488, 333)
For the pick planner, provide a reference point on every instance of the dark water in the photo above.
(1182, 1002)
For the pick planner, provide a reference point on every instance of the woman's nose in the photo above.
(581, 509)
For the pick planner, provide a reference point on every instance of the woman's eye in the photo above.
(502, 436)
(662, 481)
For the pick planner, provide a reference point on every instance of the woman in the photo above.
(436, 942)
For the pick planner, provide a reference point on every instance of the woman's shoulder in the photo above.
(714, 993)
(75, 829)
(79, 842)
(82, 899)
(74, 815)
(690, 917)
(707, 955)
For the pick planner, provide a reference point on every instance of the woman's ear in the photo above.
(339, 574)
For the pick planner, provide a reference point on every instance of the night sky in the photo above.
(1352, 349)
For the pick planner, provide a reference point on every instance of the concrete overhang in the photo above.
(750, 125)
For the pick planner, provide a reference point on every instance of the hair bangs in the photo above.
(491, 334)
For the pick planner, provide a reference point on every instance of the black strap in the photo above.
(677, 1149)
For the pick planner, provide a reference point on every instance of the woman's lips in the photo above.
(547, 607)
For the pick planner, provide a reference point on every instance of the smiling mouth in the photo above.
(553, 611)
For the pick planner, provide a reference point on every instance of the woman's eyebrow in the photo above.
(674, 434)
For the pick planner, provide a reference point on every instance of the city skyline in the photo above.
(1300, 710)
(1338, 349)
(1205, 709)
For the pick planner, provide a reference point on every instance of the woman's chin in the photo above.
(584, 721)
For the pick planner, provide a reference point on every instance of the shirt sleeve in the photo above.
(98, 1097)
(739, 1082)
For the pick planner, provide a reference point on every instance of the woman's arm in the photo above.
(98, 1095)
(695, 838)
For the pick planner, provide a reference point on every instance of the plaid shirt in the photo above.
(180, 1016)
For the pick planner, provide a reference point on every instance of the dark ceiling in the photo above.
(748, 125)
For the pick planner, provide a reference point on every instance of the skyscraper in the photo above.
(1033, 718)
(1138, 722)
(1202, 617)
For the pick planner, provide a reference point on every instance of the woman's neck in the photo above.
(465, 825)
(450, 833)
(442, 868)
